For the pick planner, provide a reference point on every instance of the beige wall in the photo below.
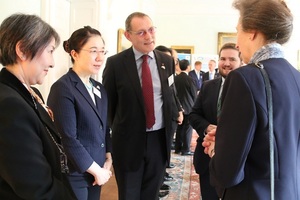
(179, 22)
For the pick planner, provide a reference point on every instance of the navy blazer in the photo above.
(126, 106)
(83, 125)
(29, 159)
(198, 82)
(241, 162)
(204, 112)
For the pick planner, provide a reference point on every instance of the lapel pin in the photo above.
(163, 66)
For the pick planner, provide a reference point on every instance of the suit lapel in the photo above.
(83, 91)
(129, 64)
(162, 71)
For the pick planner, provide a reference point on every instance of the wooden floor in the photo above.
(109, 190)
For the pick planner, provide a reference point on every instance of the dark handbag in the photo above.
(271, 135)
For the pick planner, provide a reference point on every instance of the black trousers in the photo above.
(208, 192)
(183, 136)
(144, 184)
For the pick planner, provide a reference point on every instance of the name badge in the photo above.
(97, 92)
(171, 80)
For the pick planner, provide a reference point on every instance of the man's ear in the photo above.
(127, 35)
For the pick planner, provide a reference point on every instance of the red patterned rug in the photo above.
(185, 185)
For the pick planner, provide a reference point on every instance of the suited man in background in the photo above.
(197, 74)
(177, 118)
(141, 144)
(212, 71)
(203, 117)
(186, 92)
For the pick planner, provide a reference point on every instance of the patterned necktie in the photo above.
(39, 100)
(147, 89)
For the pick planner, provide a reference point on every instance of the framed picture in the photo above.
(184, 49)
(122, 42)
(225, 38)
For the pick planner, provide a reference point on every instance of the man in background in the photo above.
(203, 117)
(177, 118)
(212, 71)
(197, 74)
(186, 92)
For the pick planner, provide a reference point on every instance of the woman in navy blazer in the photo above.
(240, 160)
(79, 104)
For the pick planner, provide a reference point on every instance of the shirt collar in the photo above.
(138, 54)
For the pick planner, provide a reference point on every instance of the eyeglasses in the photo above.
(142, 33)
(95, 52)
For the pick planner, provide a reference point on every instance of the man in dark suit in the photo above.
(197, 74)
(141, 147)
(212, 71)
(187, 92)
(203, 117)
(177, 118)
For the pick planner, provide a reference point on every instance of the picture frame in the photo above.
(183, 49)
(122, 42)
(224, 37)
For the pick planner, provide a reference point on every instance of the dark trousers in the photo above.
(183, 136)
(82, 190)
(208, 192)
(144, 184)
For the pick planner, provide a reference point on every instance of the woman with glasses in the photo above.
(80, 106)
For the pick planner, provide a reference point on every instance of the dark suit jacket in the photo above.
(29, 159)
(204, 112)
(126, 106)
(241, 161)
(83, 124)
(205, 76)
(186, 91)
(198, 82)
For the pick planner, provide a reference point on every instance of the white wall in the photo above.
(179, 22)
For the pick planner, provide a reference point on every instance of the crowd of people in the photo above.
(148, 105)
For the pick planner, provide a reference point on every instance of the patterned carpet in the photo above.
(185, 185)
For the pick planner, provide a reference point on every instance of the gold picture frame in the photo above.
(183, 49)
(224, 37)
(122, 42)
